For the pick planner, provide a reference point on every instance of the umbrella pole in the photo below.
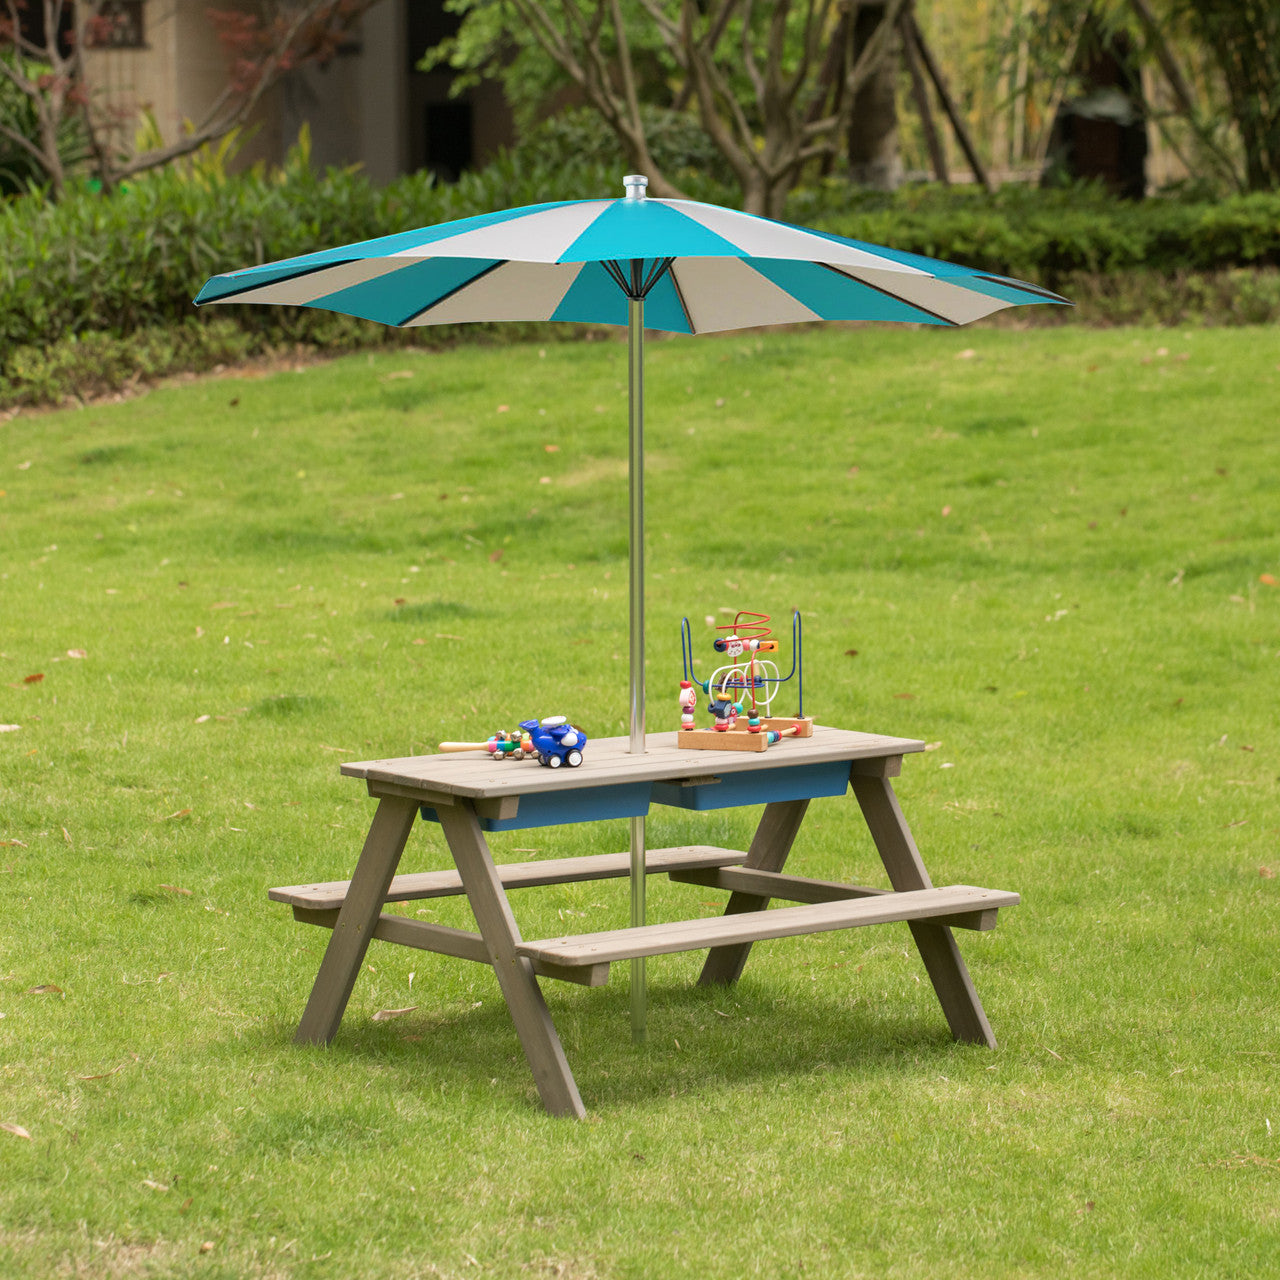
(635, 464)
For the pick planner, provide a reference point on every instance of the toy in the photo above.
(552, 740)
(742, 688)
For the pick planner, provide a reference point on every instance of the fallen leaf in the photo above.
(21, 844)
(24, 466)
(906, 697)
(853, 471)
(1266, 873)
(33, 679)
(495, 556)
(202, 719)
(225, 604)
(179, 813)
(155, 1186)
(418, 641)
(932, 746)
(967, 354)
(9, 728)
(207, 1247)
(385, 1015)
(103, 1075)
(1269, 579)
(77, 653)
(199, 632)
(45, 989)
(401, 600)
(851, 653)
(946, 511)
(551, 448)
(396, 497)
(503, 408)
(173, 888)
(1245, 748)
(16, 1129)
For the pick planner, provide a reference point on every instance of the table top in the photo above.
(608, 762)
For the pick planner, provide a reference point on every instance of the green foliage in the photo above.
(19, 169)
(678, 143)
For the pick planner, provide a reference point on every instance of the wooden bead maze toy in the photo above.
(740, 693)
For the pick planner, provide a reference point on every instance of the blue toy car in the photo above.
(556, 741)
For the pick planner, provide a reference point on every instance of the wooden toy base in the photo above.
(741, 738)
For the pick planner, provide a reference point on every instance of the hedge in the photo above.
(103, 284)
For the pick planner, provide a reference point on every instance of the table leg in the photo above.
(519, 987)
(360, 910)
(768, 852)
(935, 942)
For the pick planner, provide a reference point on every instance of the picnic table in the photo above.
(471, 793)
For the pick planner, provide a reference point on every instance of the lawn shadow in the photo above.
(700, 1040)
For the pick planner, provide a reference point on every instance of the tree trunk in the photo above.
(874, 159)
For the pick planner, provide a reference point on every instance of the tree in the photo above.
(1241, 39)
(774, 86)
(43, 59)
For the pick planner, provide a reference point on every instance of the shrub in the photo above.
(96, 290)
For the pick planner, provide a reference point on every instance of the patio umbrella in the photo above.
(674, 265)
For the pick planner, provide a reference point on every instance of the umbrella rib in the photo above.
(297, 275)
(888, 293)
(1023, 287)
(458, 288)
(684, 306)
(615, 274)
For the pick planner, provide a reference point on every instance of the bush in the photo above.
(96, 290)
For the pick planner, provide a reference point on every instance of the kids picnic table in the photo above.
(469, 794)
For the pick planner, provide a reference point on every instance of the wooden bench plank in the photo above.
(756, 926)
(515, 875)
(789, 888)
(447, 941)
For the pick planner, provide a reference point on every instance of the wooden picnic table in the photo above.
(471, 793)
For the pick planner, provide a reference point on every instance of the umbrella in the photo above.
(674, 265)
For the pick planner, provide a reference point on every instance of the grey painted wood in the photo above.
(769, 849)
(756, 926)
(354, 928)
(769, 884)
(514, 971)
(446, 941)
(942, 960)
(514, 875)
(608, 762)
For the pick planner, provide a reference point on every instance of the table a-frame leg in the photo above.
(936, 944)
(360, 910)
(768, 852)
(515, 975)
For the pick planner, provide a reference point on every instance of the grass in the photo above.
(1054, 553)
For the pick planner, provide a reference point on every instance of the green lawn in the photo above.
(1052, 553)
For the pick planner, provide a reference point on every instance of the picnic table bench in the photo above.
(470, 794)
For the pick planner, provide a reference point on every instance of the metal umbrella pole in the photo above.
(635, 469)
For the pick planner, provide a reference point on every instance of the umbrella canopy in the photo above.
(700, 268)
(674, 265)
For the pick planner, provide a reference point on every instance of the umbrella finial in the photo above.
(635, 184)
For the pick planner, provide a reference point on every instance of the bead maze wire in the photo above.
(757, 678)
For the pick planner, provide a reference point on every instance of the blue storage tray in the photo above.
(758, 786)
(581, 804)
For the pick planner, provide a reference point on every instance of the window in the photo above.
(119, 25)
